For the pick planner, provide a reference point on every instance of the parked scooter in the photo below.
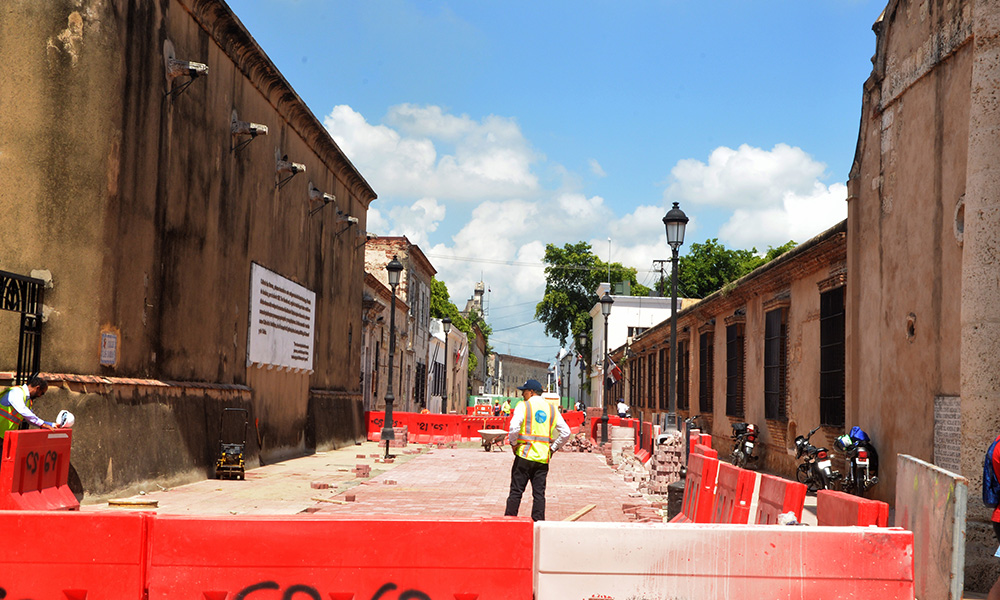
(744, 440)
(816, 470)
(861, 459)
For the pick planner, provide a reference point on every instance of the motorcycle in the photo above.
(744, 439)
(861, 459)
(816, 470)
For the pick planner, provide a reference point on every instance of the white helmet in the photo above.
(65, 419)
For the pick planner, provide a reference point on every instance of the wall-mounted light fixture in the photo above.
(239, 128)
(177, 68)
(320, 198)
(286, 169)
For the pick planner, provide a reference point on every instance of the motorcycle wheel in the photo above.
(803, 474)
(739, 460)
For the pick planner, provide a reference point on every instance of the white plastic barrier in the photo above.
(616, 561)
(932, 502)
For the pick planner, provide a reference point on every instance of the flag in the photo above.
(614, 373)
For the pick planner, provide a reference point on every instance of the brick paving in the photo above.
(460, 482)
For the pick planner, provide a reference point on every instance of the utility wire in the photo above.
(516, 326)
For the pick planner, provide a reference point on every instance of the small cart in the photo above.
(492, 438)
(232, 444)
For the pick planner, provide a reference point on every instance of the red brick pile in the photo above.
(641, 512)
(666, 464)
(362, 470)
(579, 443)
(400, 434)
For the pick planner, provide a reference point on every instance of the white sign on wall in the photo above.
(282, 321)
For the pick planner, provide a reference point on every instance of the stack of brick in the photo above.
(400, 433)
(666, 464)
(362, 470)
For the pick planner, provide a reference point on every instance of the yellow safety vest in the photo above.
(10, 419)
(538, 430)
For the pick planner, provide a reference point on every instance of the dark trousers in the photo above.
(521, 473)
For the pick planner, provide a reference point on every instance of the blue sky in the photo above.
(489, 129)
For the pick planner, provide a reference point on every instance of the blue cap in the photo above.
(533, 385)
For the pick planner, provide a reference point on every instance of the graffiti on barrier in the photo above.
(300, 590)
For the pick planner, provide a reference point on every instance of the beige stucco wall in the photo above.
(146, 216)
(905, 261)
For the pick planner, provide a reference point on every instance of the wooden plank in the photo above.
(581, 512)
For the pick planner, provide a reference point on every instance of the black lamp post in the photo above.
(581, 341)
(606, 302)
(675, 221)
(446, 323)
(394, 268)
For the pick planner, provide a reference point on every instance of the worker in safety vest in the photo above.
(536, 431)
(15, 406)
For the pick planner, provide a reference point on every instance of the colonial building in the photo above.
(377, 324)
(515, 370)
(201, 231)
(924, 217)
(414, 290)
(630, 316)
(449, 370)
(766, 349)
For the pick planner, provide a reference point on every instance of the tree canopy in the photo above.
(709, 266)
(441, 307)
(572, 274)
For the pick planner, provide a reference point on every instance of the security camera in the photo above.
(247, 128)
(286, 166)
(347, 219)
(177, 68)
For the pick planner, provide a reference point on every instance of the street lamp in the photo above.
(675, 221)
(446, 323)
(394, 268)
(606, 302)
(581, 341)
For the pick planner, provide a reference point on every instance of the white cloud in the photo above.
(490, 157)
(596, 168)
(776, 195)
(744, 177)
(800, 217)
(418, 220)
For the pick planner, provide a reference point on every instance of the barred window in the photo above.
(831, 357)
(706, 368)
(735, 363)
(682, 375)
(776, 363)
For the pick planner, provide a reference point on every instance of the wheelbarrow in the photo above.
(492, 438)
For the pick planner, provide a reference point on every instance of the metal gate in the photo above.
(22, 294)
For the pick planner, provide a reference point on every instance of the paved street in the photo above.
(436, 482)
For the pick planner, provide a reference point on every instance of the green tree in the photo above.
(572, 274)
(709, 266)
(441, 307)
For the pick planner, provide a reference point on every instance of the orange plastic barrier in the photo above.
(733, 494)
(777, 496)
(840, 509)
(699, 490)
(287, 557)
(73, 555)
(647, 436)
(470, 426)
(376, 420)
(595, 427)
(574, 418)
(35, 470)
(705, 439)
(704, 450)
